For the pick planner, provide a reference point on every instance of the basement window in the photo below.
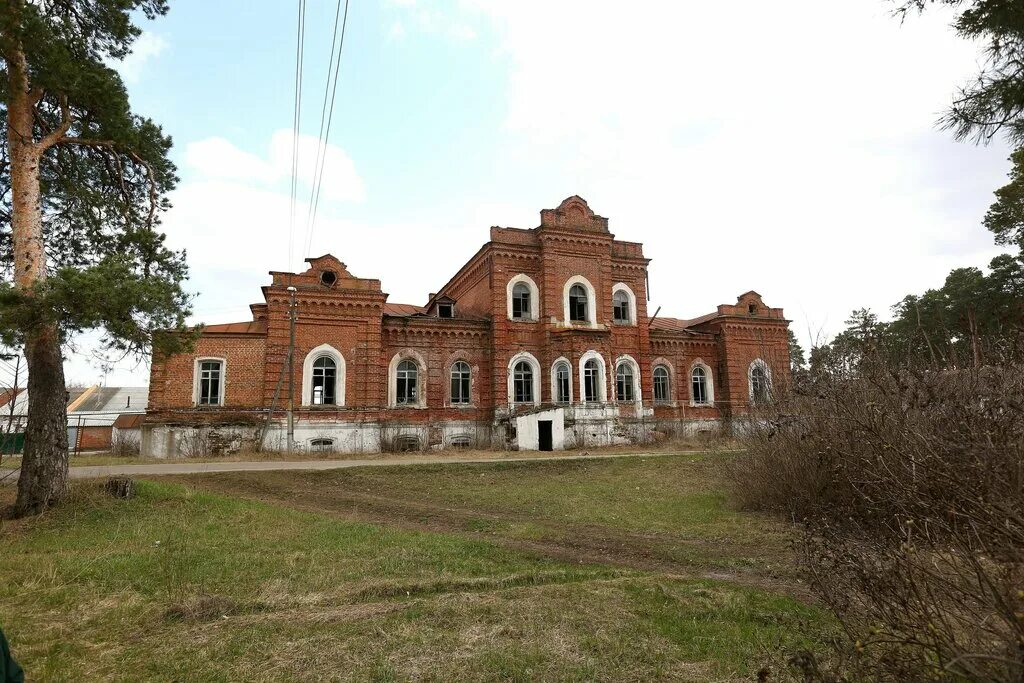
(407, 443)
(328, 278)
(446, 310)
(322, 444)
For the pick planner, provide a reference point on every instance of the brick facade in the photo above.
(349, 319)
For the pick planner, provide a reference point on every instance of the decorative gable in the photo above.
(574, 214)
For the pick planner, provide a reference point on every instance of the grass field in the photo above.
(624, 569)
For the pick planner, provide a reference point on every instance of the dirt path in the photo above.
(170, 468)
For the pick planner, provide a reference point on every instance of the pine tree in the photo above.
(83, 183)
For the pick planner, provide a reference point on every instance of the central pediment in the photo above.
(574, 214)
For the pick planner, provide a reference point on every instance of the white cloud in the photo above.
(218, 159)
(787, 147)
(146, 47)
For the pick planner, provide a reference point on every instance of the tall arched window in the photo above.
(759, 383)
(591, 381)
(563, 382)
(521, 307)
(325, 381)
(407, 383)
(620, 308)
(624, 382)
(522, 382)
(578, 303)
(661, 383)
(460, 377)
(699, 385)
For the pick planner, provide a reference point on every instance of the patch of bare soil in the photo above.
(571, 543)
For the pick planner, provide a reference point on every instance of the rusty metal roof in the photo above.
(129, 420)
(249, 327)
(402, 310)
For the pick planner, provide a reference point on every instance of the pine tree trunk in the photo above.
(44, 469)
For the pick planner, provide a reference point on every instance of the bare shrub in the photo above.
(194, 443)
(909, 485)
(397, 438)
(124, 444)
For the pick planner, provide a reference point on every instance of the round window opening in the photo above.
(328, 278)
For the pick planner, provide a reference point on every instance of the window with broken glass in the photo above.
(460, 383)
(578, 303)
(620, 308)
(521, 302)
(325, 372)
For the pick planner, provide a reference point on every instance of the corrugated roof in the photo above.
(402, 310)
(250, 327)
(129, 421)
(101, 406)
(679, 325)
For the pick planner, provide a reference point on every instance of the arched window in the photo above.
(760, 382)
(620, 308)
(624, 308)
(563, 382)
(522, 298)
(325, 374)
(522, 382)
(591, 381)
(699, 385)
(323, 377)
(407, 383)
(624, 382)
(578, 303)
(521, 308)
(661, 383)
(460, 377)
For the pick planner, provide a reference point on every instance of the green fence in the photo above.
(12, 443)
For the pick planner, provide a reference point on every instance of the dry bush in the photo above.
(909, 485)
(125, 444)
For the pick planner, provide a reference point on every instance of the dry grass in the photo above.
(181, 584)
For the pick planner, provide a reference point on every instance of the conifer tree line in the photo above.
(975, 318)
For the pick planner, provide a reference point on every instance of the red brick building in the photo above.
(543, 339)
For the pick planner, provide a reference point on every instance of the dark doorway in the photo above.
(544, 434)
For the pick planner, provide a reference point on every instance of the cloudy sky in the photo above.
(788, 147)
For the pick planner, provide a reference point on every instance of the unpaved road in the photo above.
(93, 472)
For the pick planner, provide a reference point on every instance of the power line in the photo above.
(319, 173)
(321, 147)
(300, 39)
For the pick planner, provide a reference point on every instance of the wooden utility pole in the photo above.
(291, 370)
